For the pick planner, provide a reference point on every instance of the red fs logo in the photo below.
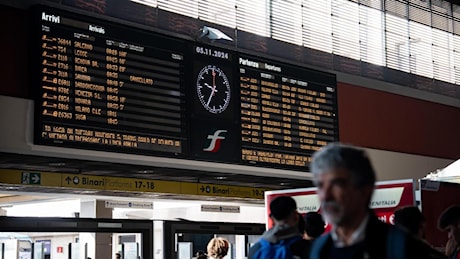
(216, 139)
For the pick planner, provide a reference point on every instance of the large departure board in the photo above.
(110, 87)
(107, 86)
(287, 112)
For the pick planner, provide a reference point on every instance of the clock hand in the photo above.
(213, 90)
(213, 78)
(207, 85)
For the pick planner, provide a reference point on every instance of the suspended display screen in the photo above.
(106, 86)
(287, 112)
(109, 87)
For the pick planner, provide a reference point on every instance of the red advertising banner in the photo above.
(387, 197)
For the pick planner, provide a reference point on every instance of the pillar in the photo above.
(99, 244)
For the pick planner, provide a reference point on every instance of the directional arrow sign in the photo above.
(218, 208)
(35, 178)
(230, 191)
(128, 204)
(30, 178)
(97, 182)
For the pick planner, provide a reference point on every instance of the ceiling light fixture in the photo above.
(145, 171)
(86, 192)
(57, 164)
(12, 188)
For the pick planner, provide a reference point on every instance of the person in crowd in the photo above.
(311, 226)
(345, 180)
(314, 225)
(450, 221)
(410, 219)
(200, 254)
(283, 240)
(218, 248)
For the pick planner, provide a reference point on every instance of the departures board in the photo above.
(287, 113)
(111, 87)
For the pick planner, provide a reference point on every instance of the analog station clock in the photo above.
(213, 89)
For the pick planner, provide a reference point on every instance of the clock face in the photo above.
(213, 89)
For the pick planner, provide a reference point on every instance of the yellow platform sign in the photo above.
(93, 182)
(230, 191)
(97, 182)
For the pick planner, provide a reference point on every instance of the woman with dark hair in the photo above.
(200, 254)
(410, 219)
(311, 226)
(314, 225)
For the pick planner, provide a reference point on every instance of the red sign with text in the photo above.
(387, 197)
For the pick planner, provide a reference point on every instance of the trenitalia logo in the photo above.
(386, 197)
(216, 139)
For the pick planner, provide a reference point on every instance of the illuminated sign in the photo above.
(387, 197)
(287, 112)
(102, 89)
(112, 87)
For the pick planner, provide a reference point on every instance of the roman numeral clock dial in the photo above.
(213, 89)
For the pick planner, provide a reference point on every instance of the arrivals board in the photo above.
(111, 87)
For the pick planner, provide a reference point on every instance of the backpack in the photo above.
(280, 250)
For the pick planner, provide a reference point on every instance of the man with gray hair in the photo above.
(345, 179)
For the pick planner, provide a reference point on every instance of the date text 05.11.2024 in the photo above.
(212, 52)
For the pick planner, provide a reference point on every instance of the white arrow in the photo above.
(35, 178)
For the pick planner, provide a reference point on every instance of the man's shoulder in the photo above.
(404, 244)
(301, 248)
(253, 249)
(289, 247)
(319, 244)
(417, 248)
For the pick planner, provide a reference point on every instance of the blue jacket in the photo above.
(280, 242)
